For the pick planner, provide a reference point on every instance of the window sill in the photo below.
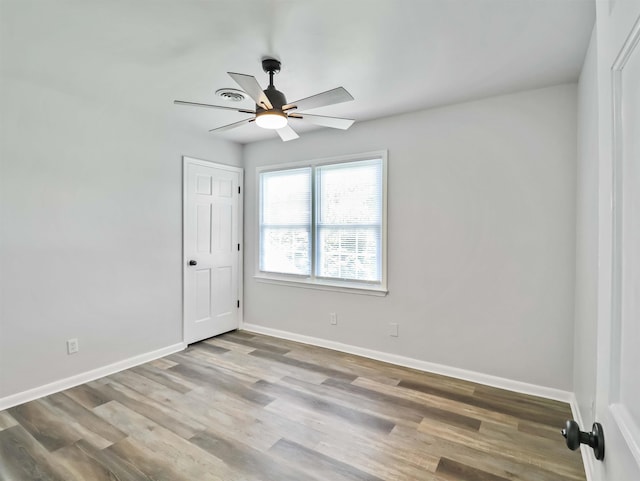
(362, 289)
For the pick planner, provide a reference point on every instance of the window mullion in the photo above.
(314, 204)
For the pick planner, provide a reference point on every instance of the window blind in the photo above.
(285, 221)
(349, 221)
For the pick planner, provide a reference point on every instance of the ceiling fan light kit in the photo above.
(272, 110)
(271, 119)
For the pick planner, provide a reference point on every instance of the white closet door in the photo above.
(211, 249)
(618, 381)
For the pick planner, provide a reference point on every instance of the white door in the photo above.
(618, 376)
(212, 222)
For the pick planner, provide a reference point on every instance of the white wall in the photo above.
(481, 238)
(91, 218)
(586, 289)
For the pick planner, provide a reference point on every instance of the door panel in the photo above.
(203, 184)
(203, 295)
(203, 229)
(223, 237)
(224, 299)
(211, 237)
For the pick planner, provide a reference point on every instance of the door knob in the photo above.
(193, 263)
(594, 439)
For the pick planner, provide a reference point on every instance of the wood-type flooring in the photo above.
(247, 407)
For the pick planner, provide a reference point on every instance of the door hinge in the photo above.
(238, 246)
(238, 303)
(238, 189)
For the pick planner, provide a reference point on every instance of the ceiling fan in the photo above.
(272, 110)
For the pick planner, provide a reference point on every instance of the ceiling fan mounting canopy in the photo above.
(271, 65)
(272, 110)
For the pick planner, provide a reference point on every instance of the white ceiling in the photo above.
(393, 56)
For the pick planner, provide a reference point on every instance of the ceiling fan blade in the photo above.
(233, 125)
(330, 97)
(195, 104)
(251, 86)
(333, 122)
(287, 133)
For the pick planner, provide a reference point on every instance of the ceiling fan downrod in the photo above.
(272, 67)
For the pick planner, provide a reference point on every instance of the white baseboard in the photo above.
(69, 382)
(587, 456)
(473, 376)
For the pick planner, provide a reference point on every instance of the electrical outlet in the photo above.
(393, 329)
(333, 318)
(72, 346)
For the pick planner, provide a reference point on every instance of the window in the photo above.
(323, 223)
(285, 222)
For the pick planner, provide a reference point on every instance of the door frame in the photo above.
(186, 161)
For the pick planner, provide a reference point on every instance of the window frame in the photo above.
(313, 281)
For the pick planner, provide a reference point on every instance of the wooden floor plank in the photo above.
(179, 423)
(6, 420)
(23, 459)
(162, 363)
(422, 409)
(86, 396)
(549, 432)
(73, 412)
(156, 466)
(221, 381)
(271, 371)
(304, 365)
(256, 344)
(322, 465)
(44, 425)
(347, 398)
(78, 464)
(252, 462)
(187, 459)
(350, 415)
(382, 459)
(517, 469)
(166, 378)
(116, 467)
(280, 422)
(437, 401)
(488, 445)
(455, 471)
(248, 407)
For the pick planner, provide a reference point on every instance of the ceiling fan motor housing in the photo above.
(276, 98)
